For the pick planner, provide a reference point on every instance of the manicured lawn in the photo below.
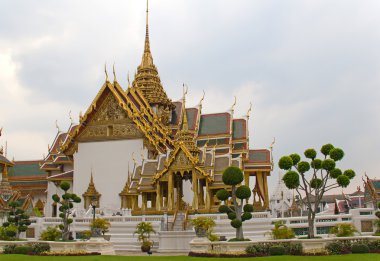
(352, 257)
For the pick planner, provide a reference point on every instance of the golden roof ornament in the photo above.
(71, 118)
(56, 126)
(114, 73)
(233, 105)
(249, 110)
(105, 71)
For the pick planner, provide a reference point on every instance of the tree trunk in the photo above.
(311, 220)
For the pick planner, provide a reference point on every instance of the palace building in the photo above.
(134, 148)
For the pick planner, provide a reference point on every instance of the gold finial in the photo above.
(1, 130)
(203, 97)
(71, 117)
(114, 73)
(105, 71)
(271, 145)
(56, 125)
(48, 147)
(80, 115)
(233, 105)
(249, 110)
(133, 157)
(129, 81)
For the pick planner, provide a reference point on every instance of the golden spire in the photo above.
(185, 126)
(147, 56)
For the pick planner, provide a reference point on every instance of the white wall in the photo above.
(109, 163)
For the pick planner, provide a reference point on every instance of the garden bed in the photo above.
(309, 246)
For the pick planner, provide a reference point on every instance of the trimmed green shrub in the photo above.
(294, 249)
(358, 248)
(336, 154)
(51, 234)
(224, 209)
(243, 192)
(281, 231)
(23, 250)
(339, 247)
(374, 245)
(326, 149)
(343, 230)
(38, 248)
(251, 250)
(310, 153)
(9, 249)
(277, 250)
(295, 158)
(303, 166)
(222, 194)
(232, 176)
(285, 163)
(291, 179)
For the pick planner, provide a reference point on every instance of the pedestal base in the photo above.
(200, 244)
(100, 245)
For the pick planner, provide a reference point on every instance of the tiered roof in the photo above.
(27, 177)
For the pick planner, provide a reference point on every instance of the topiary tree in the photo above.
(18, 221)
(67, 204)
(324, 176)
(377, 221)
(238, 212)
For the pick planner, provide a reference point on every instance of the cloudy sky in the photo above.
(311, 68)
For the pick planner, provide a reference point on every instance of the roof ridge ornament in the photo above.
(114, 73)
(249, 110)
(105, 71)
(56, 126)
(233, 105)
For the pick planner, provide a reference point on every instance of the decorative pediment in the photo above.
(110, 121)
(181, 160)
(109, 112)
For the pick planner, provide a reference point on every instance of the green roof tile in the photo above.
(213, 124)
(21, 169)
(239, 129)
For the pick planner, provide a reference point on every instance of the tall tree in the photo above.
(17, 219)
(67, 203)
(313, 178)
(238, 212)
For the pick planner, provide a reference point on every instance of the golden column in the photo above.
(158, 196)
(144, 202)
(201, 197)
(195, 190)
(170, 191)
(208, 197)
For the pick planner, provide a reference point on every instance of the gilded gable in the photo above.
(110, 121)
